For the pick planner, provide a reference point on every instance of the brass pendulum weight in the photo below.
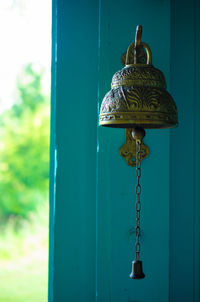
(137, 272)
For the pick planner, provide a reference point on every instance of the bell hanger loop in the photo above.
(136, 47)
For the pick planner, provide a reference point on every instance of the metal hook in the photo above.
(138, 35)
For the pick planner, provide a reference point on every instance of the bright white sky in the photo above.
(25, 35)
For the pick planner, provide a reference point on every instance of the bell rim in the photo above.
(147, 120)
(137, 277)
(141, 124)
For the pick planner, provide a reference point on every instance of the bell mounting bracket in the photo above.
(128, 150)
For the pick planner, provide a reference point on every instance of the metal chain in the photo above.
(138, 192)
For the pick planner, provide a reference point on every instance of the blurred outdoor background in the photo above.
(25, 33)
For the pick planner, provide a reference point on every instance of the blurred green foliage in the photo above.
(24, 258)
(24, 149)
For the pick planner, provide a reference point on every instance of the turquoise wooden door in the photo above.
(92, 189)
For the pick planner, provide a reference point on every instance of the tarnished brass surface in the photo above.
(138, 95)
(139, 75)
(128, 107)
(128, 150)
(141, 56)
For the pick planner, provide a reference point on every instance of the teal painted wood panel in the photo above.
(185, 150)
(75, 142)
(116, 181)
(92, 190)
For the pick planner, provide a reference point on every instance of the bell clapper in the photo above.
(137, 272)
(138, 134)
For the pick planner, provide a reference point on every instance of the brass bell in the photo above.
(138, 99)
(138, 95)
(137, 272)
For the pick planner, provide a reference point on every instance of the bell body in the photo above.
(138, 95)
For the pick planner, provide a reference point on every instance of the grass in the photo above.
(24, 259)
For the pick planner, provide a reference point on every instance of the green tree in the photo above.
(24, 148)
